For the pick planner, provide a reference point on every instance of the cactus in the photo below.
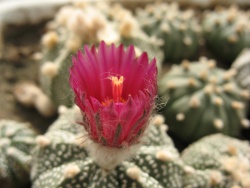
(61, 159)
(221, 161)
(203, 99)
(16, 142)
(79, 24)
(227, 32)
(242, 67)
(177, 30)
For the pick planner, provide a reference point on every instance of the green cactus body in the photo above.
(221, 161)
(227, 32)
(61, 160)
(202, 99)
(177, 30)
(80, 24)
(16, 143)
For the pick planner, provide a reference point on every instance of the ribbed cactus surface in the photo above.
(61, 159)
(202, 99)
(16, 143)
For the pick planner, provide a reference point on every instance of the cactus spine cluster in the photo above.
(178, 31)
(227, 32)
(16, 143)
(61, 159)
(224, 159)
(203, 99)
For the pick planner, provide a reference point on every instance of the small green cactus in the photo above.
(61, 159)
(221, 161)
(80, 24)
(202, 99)
(16, 142)
(227, 32)
(177, 30)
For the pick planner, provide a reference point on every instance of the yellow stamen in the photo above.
(117, 87)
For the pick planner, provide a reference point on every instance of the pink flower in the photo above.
(115, 91)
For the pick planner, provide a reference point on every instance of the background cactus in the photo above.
(178, 30)
(61, 160)
(16, 143)
(227, 32)
(222, 161)
(242, 67)
(79, 24)
(202, 99)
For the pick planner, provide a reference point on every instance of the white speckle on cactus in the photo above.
(158, 120)
(4, 142)
(42, 141)
(232, 149)
(37, 56)
(229, 87)
(209, 89)
(138, 52)
(191, 82)
(71, 171)
(236, 186)
(203, 74)
(215, 177)
(164, 128)
(109, 34)
(229, 74)
(189, 169)
(30, 95)
(62, 109)
(194, 102)
(164, 155)
(170, 85)
(165, 27)
(49, 69)
(212, 80)
(185, 64)
(127, 26)
(74, 43)
(10, 132)
(180, 117)
(218, 124)
(187, 41)
(80, 4)
(245, 123)
(233, 39)
(63, 15)
(245, 94)
(77, 18)
(218, 101)
(134, 173)
(237, 105)
(11, 151)
(211, 64)
(50, 39)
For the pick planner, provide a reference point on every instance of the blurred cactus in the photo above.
(79, 24)
(178, 30)
(16, 142)
(221, 161)
(227, 32)
(203, 99)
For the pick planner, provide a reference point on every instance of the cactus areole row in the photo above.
(115, 91)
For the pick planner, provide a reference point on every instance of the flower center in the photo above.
(117, 86)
